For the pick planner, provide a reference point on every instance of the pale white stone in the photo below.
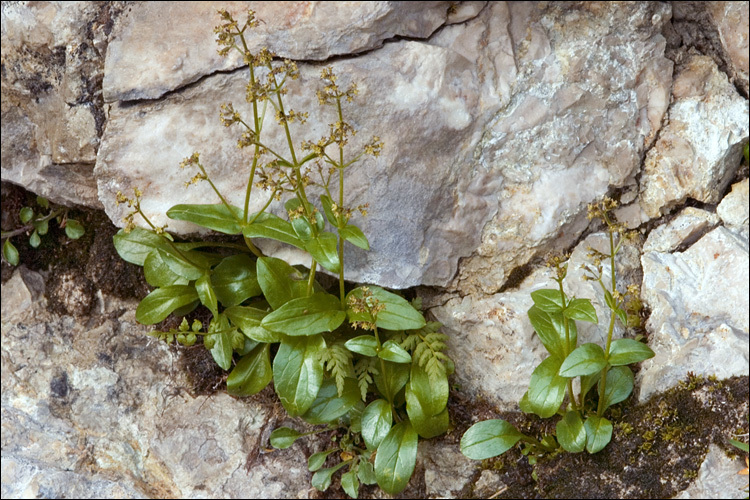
(699, 311)
(718, 477)
(733, 209)
(697, 152)
(685, 229)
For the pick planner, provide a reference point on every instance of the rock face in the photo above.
(501, 121)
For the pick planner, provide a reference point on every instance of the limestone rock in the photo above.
(699, 311)
(734, 210)
(718, 477)
(51, 97)
(683, 230)
(732, 21)
(162, 46)
(696, 153)
(447, 470)
(484, 126)
(95, 409)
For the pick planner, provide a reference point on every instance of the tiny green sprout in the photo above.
(601, 370)
(361, 360)
(35, 224)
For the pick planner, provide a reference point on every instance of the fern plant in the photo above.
(362, 359)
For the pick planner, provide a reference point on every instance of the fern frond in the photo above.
(338, 362)
(428, 344)
(364, 369)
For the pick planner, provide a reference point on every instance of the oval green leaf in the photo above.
(365, 345)
(248, 319)
(10, 252)
(377, 420)
(628, 351)
(283, 437)
(252, 373)
(317, 460)
(355, 236)
(324, 249)
(598, 433)
(158, 273)
(206, 293)
(328, 406)
(158, 304)
(584, 360)
(619, 385)
(298, 372)
(391, 351)
(548, 300)
(571, 433)
(235, 280)
(270, 226)
(74, 229)
(279, 281)
(489, 439)
(397, 315)
(320, 312)
(396, 458)
(216, 217)
(546, 388)
(581, 310)
(321, 480)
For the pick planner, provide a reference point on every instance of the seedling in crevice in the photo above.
(603, 370)
(382, 387)
(35, 226)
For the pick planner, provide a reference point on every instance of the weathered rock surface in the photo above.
(733, 209)
(161, 46)
(698, 151)
(732, 20)
(699, 310)
(717, 478)
(475, 123)
(683, 230)
(51, 96)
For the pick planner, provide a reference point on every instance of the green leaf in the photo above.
(584, 360)
(320, 312)
(391, 351)
(425, 425)
(42, 202)
(619, 385)
(302, 228)
(135, 246)
(396, 458)
(248, 319)
(350, 483)
(355, 236)
(377, 420)
(317, 460)
(222, 348)
(298, 372)
(216, 217)
(325, 200)
(550, 327)
(26, 214)
(366, 473)
(74, 229)
(397, 315)
(628, 351)
(284, 437)
(158, 273)
(158, 304)
(235, 280)
(34, 240)
(365, 345)
(612, 304)
(547, 388)
(548, 300)
(587, 382)
(392, 379)
(206, 293)
(321, 480)
(323, 249)
(273, 227)
(279, 281)
(571, 433)
(252, 373)
(42, 226)
(328, 406)
(191, 269)
(489, 439)
(10, 252)
(598, 433)
(581, 310)
(739, 444)
(430, 393)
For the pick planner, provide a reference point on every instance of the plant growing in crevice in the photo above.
(35, 226)
(361, 360)
(603, 372)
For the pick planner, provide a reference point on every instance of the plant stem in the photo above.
(603, 380)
